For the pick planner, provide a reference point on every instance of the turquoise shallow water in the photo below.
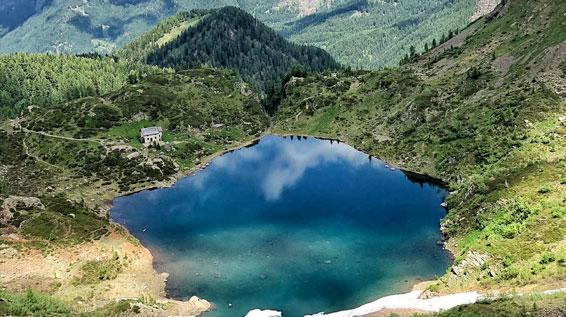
(300, 225)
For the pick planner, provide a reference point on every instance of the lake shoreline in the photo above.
(206, 161)
(108, 205)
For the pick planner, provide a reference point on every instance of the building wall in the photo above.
(151, 139)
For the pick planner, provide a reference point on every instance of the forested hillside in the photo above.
(231, 38)
(485, 113)
(164, 32)
(359, 33)
(366, 34)
(41, 79)
(225, 38)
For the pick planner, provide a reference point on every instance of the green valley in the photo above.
(358, 33)
(483, 112)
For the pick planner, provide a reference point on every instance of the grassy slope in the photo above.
(80, 149)
(163, 33)
(531, 305)
(484, 117)
(76, 156)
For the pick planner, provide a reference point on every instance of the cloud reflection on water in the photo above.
(289, 163)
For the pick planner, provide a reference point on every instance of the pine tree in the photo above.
(412, 51)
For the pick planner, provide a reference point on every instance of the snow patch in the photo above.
(408, 301)
(263, 313)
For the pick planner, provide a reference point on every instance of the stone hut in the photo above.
(151, 135)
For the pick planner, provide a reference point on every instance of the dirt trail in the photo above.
(101, 142)
(92, 140)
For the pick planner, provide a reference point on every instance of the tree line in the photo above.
(47, 79)
(413, 55)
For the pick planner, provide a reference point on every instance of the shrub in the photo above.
(509, 273)
(510, 231)
(544, 190)
(508, 261)
(32, 303)
(473, 73)
(558, 212)
(433, 288)
(547, 258)
(96, 271)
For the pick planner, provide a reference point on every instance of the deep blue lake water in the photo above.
(298, 225)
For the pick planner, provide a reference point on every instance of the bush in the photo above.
(547, 258)
(31, 304)
(558, 212)
(544, 190)
(97, 271)
(433, 288)
(510, 231)
(473, 73)
(509, 273)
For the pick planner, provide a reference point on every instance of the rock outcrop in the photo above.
(18, 203)
(472, 261)
(194, 307)
(484, 7)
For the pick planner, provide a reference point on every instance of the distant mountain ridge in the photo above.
(15, 12)
(359, 33)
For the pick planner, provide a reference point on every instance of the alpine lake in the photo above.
(295, 224)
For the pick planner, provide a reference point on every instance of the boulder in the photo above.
(198, 305)
(472, 261)
(133, 155)
(18, 203)
(193, 307)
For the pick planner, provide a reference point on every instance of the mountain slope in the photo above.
(59, 164)
(360, 33)
(77, 26)
(164, 32)
(370, 34)
(484, 112)
(230, 38)
(92, 137)
(13, 12)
